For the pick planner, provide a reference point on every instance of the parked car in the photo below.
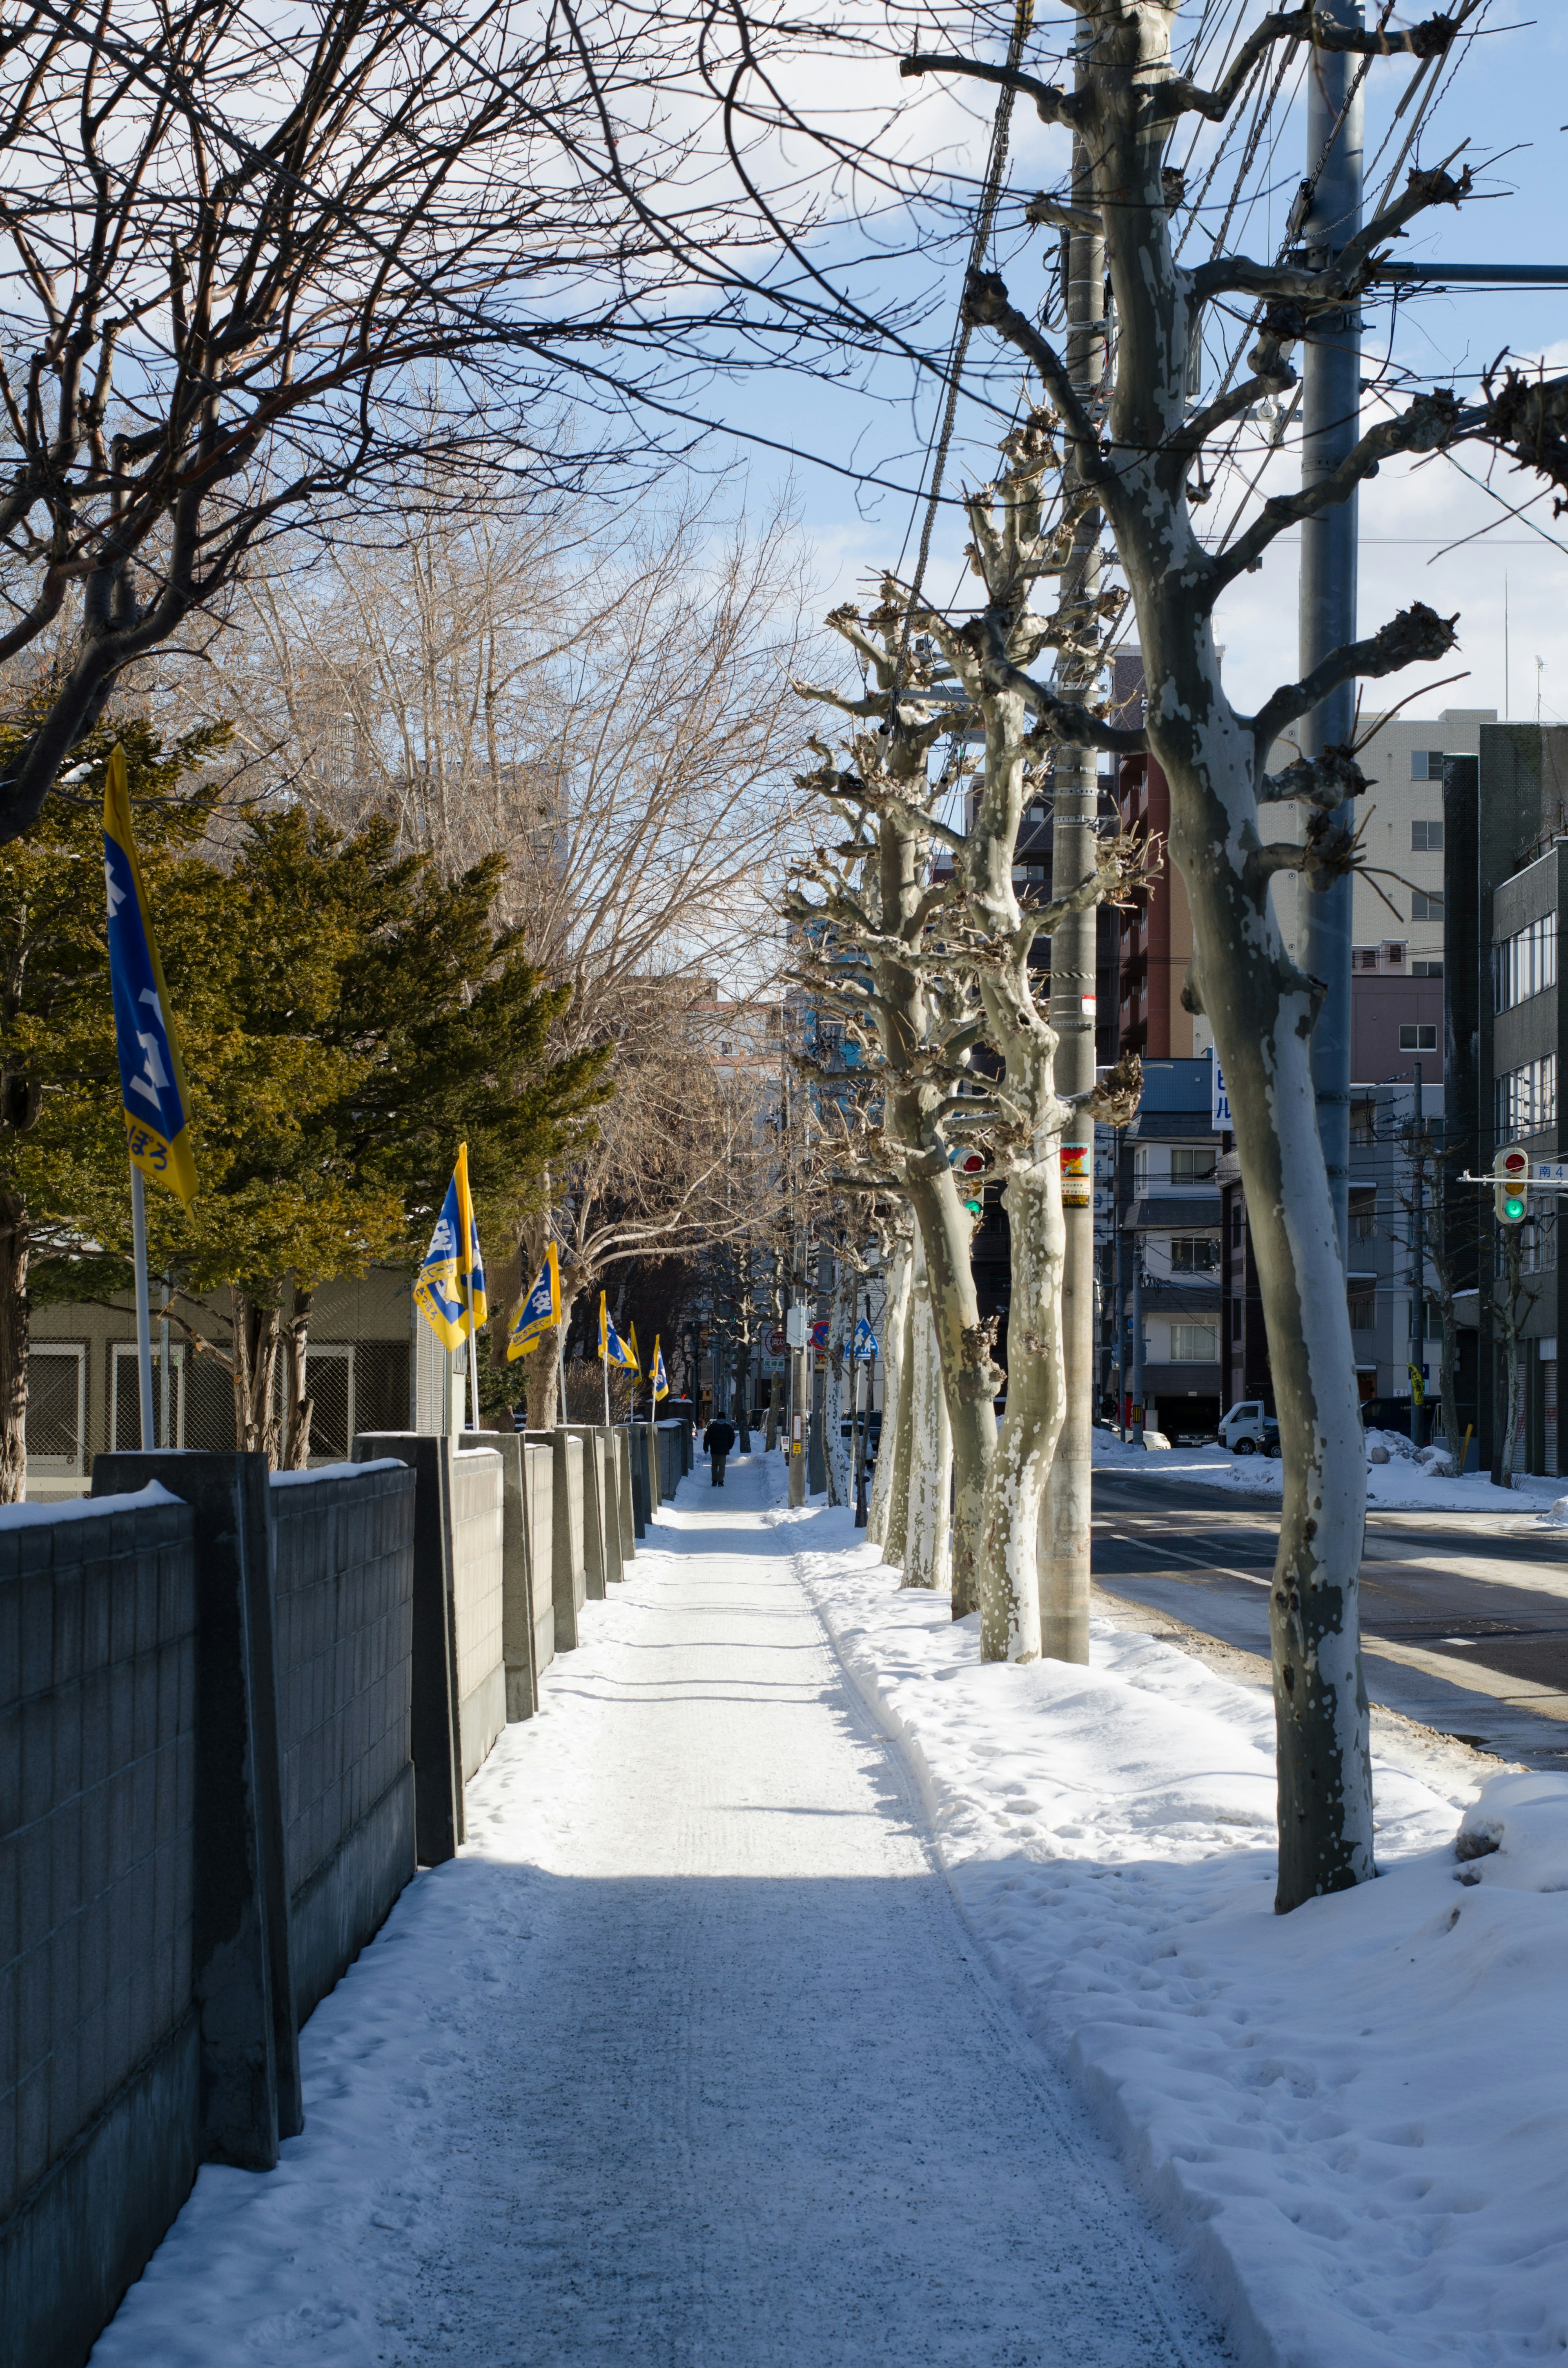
(1246, 1430)
(1386, 1414)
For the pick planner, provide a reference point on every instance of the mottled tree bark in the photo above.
(13, 1244)
(255, 1356)
(298, 1403)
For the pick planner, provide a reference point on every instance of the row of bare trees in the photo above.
(919, 935)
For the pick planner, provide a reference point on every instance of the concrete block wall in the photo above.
(343, 1592)
(478, 1596)
(99, 2129)
(539, 1500)
(568, 1568)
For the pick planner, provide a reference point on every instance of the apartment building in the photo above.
(1160, 1252)
(1506, 815)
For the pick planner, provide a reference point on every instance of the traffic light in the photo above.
(1511, 1193)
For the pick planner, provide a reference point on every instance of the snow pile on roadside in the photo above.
(1400, 1485)
(1357, 2114)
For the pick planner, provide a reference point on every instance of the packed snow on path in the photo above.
(1357, 2116)
(688, 2061)
(1400, 1485)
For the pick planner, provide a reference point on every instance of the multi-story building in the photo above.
(1389, 1189)
(1506, 816)
(1160, 1251)
(1397, 898)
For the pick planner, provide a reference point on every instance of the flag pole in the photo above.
(604, 1368)
(560, 1360)
(474, 1375)
(143, 1306)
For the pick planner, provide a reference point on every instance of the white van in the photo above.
(1247, 1430)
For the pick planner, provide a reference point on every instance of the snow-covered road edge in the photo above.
(1352, 2120)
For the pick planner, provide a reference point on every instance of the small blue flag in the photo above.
(541, 1311)
(152, 1082)
(449, 1290)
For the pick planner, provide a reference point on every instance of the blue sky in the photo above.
(1509, 100)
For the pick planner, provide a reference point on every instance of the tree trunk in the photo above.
(840, 1363)
(742, 1395)
(1261, 1008)
(297, 1404)
(14, 1327)
(928, 1558)
(968, 1374)
(255, 1329)
(1016, 1484)
(890, 1482)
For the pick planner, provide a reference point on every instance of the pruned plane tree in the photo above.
(1141, 455)
(926, 946)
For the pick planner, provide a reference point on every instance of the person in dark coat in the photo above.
(717, 1440)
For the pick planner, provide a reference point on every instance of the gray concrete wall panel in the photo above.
(98, 1754)
(479, 1595)
(538, 1497)
(343, 1574)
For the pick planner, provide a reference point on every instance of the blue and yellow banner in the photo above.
(152, 1082)
(660, 1385)
(613, 1349)
(540, 1312)
(449, 1290)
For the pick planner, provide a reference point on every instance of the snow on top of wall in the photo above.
(81, 1509)
(339, 1471)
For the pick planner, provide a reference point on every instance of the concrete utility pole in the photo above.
(1330, 425)
(1418, 1273)
(1138, 1339)
(1064, 1519)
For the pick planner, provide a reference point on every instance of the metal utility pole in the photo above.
(1330, 425)
(1064, 1531)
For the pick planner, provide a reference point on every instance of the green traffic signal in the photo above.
(1512, 1208)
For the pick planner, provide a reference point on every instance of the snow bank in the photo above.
(1358, 2115)
(1400, 1485)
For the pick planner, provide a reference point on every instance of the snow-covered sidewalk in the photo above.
(1355, 2116)
(689, 2059)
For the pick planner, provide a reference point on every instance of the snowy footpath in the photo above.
(690, 2058)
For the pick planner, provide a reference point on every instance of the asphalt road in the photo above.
(1464, 1618)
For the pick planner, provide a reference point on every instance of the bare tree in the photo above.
(211, 331)
(1140, 460)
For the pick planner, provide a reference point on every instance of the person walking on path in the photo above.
(717, 1440)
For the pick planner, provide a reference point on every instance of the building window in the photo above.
(1364, 958)
(1426, 765)
(1424, 907)
(1426, 838)
(1195, 1253)
(1364, 1222)
(1525, 1099)
(1525, 964)
(1363, 1309)
(1194, 1344)
(1426, 969)
(1361, 1115)
(1192, 1164)
(1418, 1036)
